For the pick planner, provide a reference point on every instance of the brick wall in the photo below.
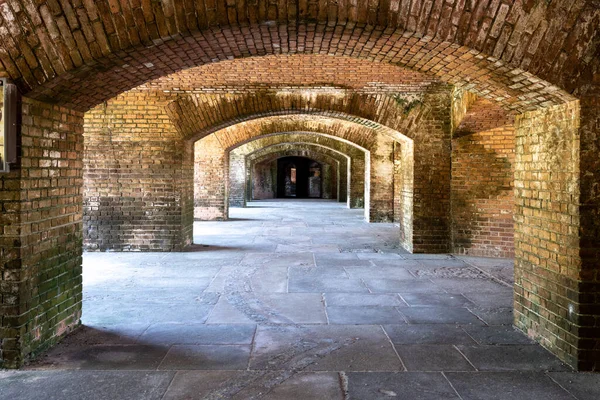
(134, 177)
(483, 148)
(40, 233)
(403, 192)
(262, 180)
(211, 170)
(589, 229)
(237, 179)
(548, 263)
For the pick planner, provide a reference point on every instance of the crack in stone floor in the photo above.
(296, 299)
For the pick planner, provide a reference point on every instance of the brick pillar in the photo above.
(342, 187)
(40, 234)
(210, 180)
(136, 178)
(431, 199)
(381, 202)
(262, 180)
(431, 163)
(403, 192)
(556, 230)
(237, 179)
(356, 183)
(328, 181)
(187, 195)
(589, 250)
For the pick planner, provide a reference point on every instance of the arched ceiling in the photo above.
(334, 153)
(325, 141)
(314, 154)
(79, 54)
(201, 115)
(352, 132)
(293, 71)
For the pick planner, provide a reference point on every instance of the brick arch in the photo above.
(357, 162)
(68, 51)
(291, 146)
(330, 165)
(342, 161)
(379, 140)
(197, 115)
(79, 54)
(329, 140)
(315, 152)
(355, 131)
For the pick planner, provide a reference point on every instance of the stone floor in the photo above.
(296, 300)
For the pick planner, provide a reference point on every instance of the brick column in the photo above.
(342, 187)
(589, 229)
(356, 182)
(329, 181)
(237, 180)
(431, 191)
(40, 234)
(136, 178)
(403, 192)
(381, 202)
(262, 183)
(556, 230)
(210, 180)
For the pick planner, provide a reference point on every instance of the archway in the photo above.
(338, 162)
(70, 67)
(354, 158)
(383, 145)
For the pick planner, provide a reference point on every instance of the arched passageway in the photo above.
(354, 159)
(69, 58)
(335, 173)
(264, 169)
(381, 147)
(294, 178)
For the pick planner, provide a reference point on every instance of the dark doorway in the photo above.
(298, 177)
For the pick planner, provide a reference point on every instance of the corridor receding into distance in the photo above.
(300, 199)
(296, 299)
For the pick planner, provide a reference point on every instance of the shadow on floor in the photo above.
(198, 247)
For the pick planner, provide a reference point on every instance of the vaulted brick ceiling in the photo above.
(295, 148)
(81, 53)
(318, 156)
(351, 131)
(323, 141)
(294, 71)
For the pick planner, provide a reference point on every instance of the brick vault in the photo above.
(473, 125)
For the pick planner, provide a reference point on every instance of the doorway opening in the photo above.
(298, 177)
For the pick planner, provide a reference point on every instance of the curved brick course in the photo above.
(329, 167)
(68, 51)
(539, 60)
(335, 157)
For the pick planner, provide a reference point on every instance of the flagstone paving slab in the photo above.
(296, 300)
